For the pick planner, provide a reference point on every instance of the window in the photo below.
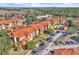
(17, 39)
(30, 36)
(12, 38)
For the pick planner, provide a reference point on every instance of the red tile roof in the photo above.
(28, 30)
(40, 25)
(34, 26)
(76, 20)
(18, 34)
(1, 22)
(59, 51)
(44, 22)
(9, 21)
(71, 51)
(75, 52)
(22, 32)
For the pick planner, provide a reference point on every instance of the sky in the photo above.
(39, 4)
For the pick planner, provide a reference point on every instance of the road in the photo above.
(48, 48)
(65, 46)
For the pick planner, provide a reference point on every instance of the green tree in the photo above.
(48, 31)
(31, 44)
(70, 24)
(5, 44)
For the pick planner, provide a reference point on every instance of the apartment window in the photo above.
(12, 38)
(30, 36)
(17, 39)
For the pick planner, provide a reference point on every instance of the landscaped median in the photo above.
(40, 38)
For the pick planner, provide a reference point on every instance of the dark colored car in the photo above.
(57, 31)
(78, 32)
(48, 39)
(77, 40)
(52, 52)
(65, 34)
(67, 43)
(71, 42)
(33, 52)
(42, 45)
(52, 34)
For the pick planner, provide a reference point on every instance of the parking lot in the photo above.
(70, 39)
(45, 46)
(47, 43)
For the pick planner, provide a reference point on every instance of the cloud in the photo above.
(39, 4)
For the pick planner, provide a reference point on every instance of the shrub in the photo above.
(48, 31)
(31, 44)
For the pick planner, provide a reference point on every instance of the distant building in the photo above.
(57, 22)
(43, 16)
(10, 23)
(9, 14)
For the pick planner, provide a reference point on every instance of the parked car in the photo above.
(42, 45)
(66, 43)
(71, 42)
(77, 40)
(78, 32)
(48, 39)
(57, 31)
(65, 34)
(53, 34)
(35, 51)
